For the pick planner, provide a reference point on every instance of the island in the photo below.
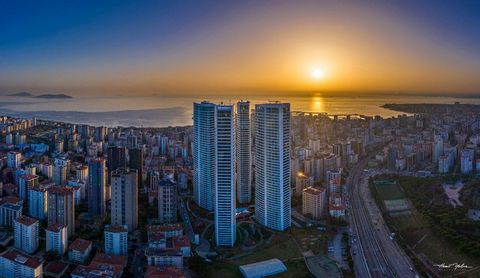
(54, 96)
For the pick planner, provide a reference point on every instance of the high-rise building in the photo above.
(132, 141)
(272, 165)
(204, 154)
(13, 159)
(224, 213)
(136, 163)
(56, 239)
(116, 158)
(116, 241)
(97, 180)
(167, 201)
(26, 234)
(59, 174)
(61, 207)
(25, 182)
(37, 202)
(124, 201)
(243, 144)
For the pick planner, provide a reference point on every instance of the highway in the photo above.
(374, 253)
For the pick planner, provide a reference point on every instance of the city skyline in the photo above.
(147, 48)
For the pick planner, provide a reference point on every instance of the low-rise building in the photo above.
(164, 257)
(313, 201)
(13, 264)
(79, 250)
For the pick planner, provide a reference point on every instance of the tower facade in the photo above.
(272, 165)
(225, 228)
(243, 144)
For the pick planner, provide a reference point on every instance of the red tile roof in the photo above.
(56, 267)
(80, 244)
(25, 220)
(164, 272)
(15, 256)
(55, 227)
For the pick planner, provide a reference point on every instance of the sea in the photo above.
(163, 111)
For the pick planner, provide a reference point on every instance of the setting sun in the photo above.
(318, 73)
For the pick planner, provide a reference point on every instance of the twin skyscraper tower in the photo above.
(222, 162)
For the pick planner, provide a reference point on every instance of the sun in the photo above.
(317, 73)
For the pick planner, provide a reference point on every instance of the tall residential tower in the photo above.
(243, 145)
(272, 165)
(225, 229)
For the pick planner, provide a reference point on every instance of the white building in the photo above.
(14, 264)
(272, 165)
(26, 234)
(224, 213)
(204, 154)
(57, 239)
(243, 144)
(313, 201)
(116, 240)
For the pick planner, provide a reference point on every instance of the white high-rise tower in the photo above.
(243, 143)
(225, 229)
(272, 165)
(204, 154)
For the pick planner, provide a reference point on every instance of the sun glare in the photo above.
(318, 73)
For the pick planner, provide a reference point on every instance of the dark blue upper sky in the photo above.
(147, 46)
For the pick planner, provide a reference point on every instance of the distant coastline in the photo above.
(47, 96)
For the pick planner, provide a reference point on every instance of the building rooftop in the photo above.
(263, 268)
(165, 228)
(15, 256)
(116, 229)
(80, 244)
(60, 190)
(110, 259)
(163, 252)
(55, 227)
(56, 268)
(314, 190)
(25, 220)
(163, 272)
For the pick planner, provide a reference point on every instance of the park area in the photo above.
(289, 247)
(428, 233)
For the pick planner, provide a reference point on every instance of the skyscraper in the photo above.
(61, 208)
(167, 201)
(272, 165)
(225, 229)
(243, 144)
(97, 179)
(124, 201)
(26, 234)
(136, 163)
(204, 154)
